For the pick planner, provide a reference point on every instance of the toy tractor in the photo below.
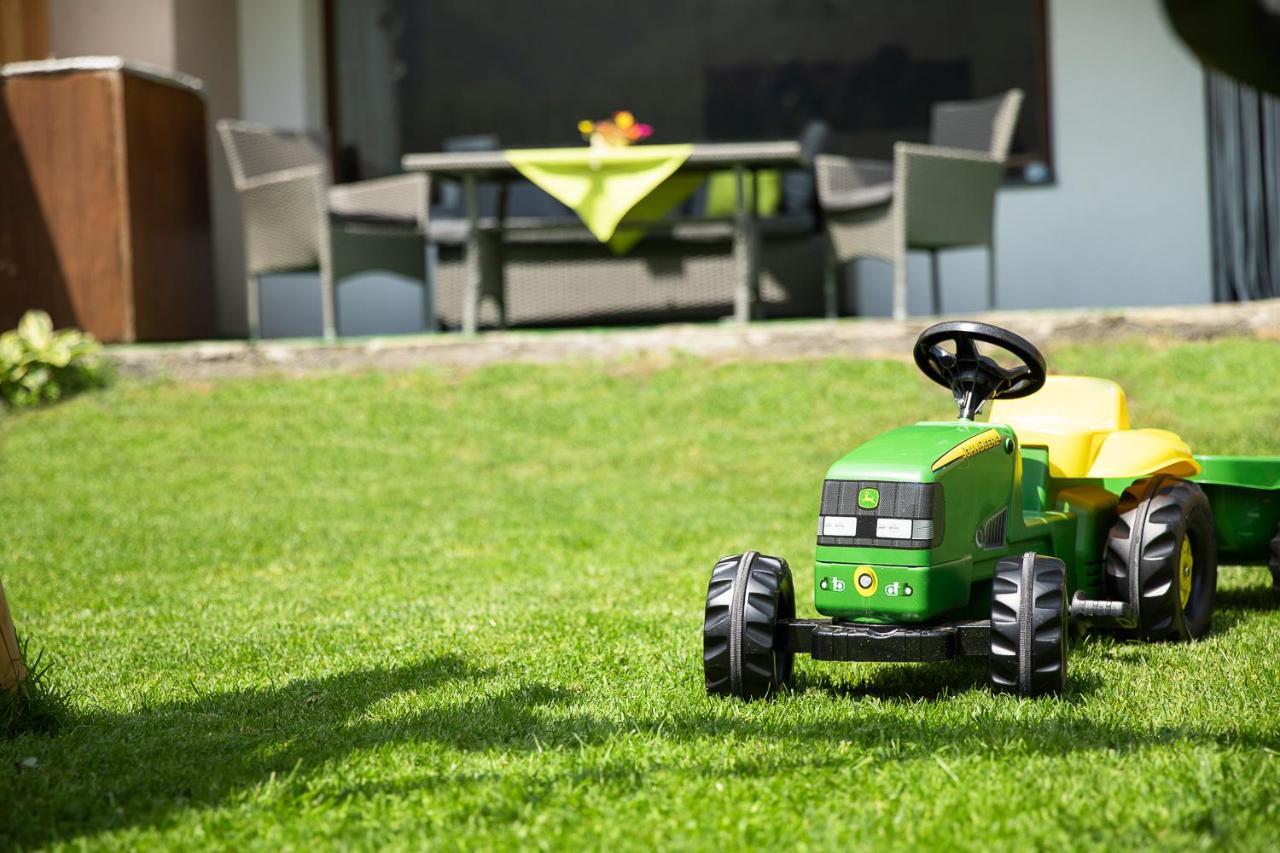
(999, 539)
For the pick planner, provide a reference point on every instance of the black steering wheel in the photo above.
(973, 377)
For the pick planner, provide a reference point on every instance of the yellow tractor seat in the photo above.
(1084, 424)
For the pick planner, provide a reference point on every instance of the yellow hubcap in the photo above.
(1185, 565)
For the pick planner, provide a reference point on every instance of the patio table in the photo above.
(604, 186)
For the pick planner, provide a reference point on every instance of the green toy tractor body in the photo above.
(997, 538)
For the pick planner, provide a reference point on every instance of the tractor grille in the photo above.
(906, 515)
(990, 533)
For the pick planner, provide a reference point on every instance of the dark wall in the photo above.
(695, 70)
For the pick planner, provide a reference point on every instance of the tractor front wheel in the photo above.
(741, 654)
(1029, 626)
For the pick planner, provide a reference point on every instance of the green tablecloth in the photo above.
(608, 186)
(604, 185)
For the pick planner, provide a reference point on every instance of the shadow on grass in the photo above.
(144, 768)
(1253, 598)
(114, 770)
(927, 682)
(930, 682)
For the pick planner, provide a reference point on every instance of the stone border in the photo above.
(792, 339)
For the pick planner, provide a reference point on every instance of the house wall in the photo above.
(282, 85)
(282, 63)
(141, 30)
(1127, 220)
(205, 45)
(1125, 223)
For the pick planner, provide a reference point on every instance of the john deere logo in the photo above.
(869, 498)
(969, 448)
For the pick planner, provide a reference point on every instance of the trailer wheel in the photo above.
(1274, 563)
(1162, 557)
(1029, 626)
(741, 654)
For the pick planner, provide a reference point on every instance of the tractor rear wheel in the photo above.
(1162, 558)
(1029, 626)
(741, 655)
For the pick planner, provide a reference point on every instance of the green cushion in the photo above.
(722, 194)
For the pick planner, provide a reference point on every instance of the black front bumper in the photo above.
(825, 639)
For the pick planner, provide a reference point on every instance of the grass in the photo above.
(463, 610)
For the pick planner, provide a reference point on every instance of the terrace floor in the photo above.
(775, 340)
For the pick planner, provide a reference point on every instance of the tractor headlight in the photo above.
(893, 528)
(839, 525)
(904, 528)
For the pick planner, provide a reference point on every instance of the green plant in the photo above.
(39, 364)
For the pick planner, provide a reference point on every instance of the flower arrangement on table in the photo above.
(618, 131)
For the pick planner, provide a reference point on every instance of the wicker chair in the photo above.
(933, 196)
(286, 202)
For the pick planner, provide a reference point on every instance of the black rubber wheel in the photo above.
(1162, 558)
(1274, 563)
(741, 656)
(1029, 637)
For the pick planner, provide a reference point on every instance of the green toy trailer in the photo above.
(998, 539)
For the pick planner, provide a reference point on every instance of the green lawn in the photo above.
(465, 610)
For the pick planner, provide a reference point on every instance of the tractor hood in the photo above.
(902, 516)
(911, 454)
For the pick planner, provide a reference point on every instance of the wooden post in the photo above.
(12, 670)
(24, 30)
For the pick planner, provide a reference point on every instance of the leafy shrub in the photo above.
(39, 365)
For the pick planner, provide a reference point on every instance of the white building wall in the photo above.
(282, 63)
(282, 85)
(205, 39)
(1127, 220)
(141, 30)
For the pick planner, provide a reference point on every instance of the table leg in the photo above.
(744, 249)
(753, 244)
(431, 263)
(498, 268)
(473, 266)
